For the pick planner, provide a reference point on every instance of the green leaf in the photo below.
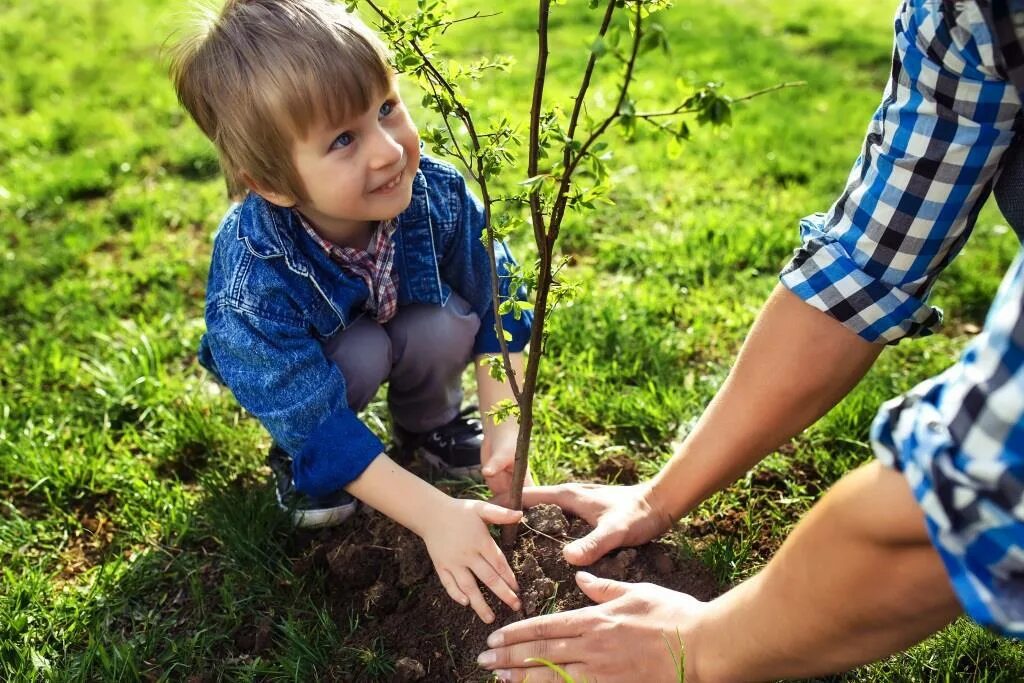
(599, 48)
(534, 184)
(562, 673)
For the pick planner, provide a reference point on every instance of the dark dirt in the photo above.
(617, 469)
(381, 572)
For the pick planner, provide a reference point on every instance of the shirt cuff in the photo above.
(974, 532)
(335, 454)
(824, 275)
(487, 337)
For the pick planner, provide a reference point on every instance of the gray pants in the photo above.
(1009, 189)
(421, 353)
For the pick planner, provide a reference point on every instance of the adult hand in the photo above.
(636, 632)
(620, 515)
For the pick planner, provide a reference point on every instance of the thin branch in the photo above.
(536, 214)
(683, 109)
(522, 456)
(466, 161)
(435, 76)
(447, 24)
(609, 11)
(559, 209)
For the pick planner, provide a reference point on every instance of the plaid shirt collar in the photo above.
(373, 266)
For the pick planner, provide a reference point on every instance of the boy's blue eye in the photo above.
(343, 140)
(386, 108)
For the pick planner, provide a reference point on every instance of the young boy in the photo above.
(352, 260)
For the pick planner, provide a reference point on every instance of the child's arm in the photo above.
(454, 531)
(499, 450)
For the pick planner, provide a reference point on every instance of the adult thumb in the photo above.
(600, 590)
(495, 514)
(590, 548)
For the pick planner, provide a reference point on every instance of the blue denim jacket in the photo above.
(273, 297)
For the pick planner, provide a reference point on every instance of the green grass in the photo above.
(137, 531)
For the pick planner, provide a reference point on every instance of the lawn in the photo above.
(138, 533)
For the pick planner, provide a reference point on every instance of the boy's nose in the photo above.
(387, 152)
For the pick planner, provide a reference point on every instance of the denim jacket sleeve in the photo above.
(466, 267)
(278, 372)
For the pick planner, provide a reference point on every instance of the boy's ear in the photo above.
(278, 198)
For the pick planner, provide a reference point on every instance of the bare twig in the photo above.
(558, 210)
(683, 109)
(568, 539)
(609, 11)
(445, 25)
(536, 215)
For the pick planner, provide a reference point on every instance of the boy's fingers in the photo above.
(497, 465)
(494, 557)
(452, 588)
(467, 583)
(501, 498)
(496, 514)
(498, 584)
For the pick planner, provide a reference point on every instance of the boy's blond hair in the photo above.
(257, 74)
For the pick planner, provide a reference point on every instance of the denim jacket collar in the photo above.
(269, 231)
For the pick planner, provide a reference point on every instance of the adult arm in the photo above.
(796, 363)
(856, 580)
(887, 557)
(929, 158)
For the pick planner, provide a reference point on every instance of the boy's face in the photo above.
(359, 173)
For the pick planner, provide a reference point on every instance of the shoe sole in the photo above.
(326, 517)
(320, 517)
(471, 472)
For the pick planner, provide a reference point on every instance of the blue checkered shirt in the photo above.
(947, 130)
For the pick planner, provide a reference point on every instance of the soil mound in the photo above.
(381, 572)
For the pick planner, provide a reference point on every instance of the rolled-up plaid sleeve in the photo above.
(926, 167)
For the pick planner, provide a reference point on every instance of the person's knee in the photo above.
(437, 336)
(363, 354)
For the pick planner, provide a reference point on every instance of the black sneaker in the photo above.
(452, 448)
(307, 512)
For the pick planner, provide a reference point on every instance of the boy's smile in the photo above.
(358, 173)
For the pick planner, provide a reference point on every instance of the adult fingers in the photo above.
(499, 585)
(566, 496)
(467, 584)
(549, 626)
(595, 545)
(601, 590)
(557, 651)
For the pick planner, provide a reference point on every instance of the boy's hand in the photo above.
(463, 551)
(498, 457)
